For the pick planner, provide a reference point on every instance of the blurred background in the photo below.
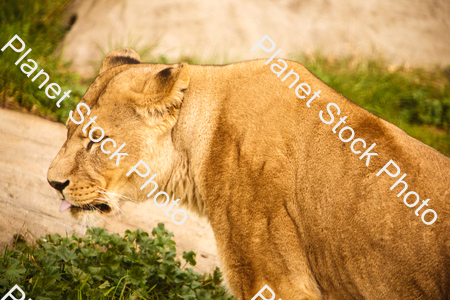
(390, 57)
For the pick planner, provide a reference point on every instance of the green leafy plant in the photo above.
(106, 266)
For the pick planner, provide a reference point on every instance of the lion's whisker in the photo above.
(111, 200)
(118, 195)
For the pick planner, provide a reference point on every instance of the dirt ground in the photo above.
(27, 202)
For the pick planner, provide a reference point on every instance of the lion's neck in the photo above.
(181, 185)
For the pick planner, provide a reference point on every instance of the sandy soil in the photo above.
(27, 202)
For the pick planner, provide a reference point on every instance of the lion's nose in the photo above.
(59, 185)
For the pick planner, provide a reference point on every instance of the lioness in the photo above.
(290, 205)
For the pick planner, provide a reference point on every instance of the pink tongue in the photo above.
(64, 205)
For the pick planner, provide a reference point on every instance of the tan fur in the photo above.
(291, 206)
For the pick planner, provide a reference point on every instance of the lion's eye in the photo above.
(89, 146)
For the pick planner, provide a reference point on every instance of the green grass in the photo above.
(417, 100)
(37, 24)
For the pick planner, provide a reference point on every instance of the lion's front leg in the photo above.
(260, 288)
(258, 267)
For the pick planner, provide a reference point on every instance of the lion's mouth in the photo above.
(101, 207)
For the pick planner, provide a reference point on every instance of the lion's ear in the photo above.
(120, 57)
(172, 81)
(164, 90)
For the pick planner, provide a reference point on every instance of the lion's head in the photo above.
(135, 105)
